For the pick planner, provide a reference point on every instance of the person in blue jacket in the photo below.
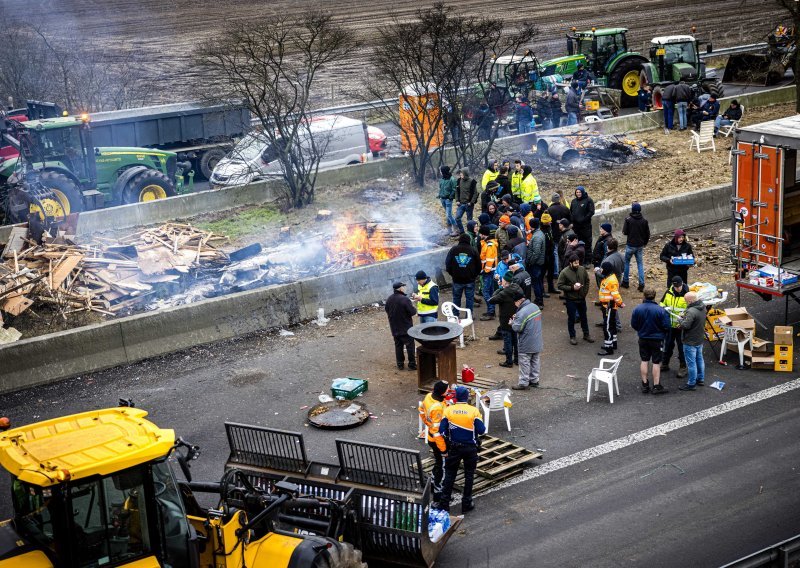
(652, 324)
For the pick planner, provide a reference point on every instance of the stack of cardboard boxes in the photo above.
(759, 355)
(784, 348)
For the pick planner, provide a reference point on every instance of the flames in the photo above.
(362, 242)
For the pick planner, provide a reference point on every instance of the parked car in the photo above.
(340, 139)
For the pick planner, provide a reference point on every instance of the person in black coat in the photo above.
(463, 264)
(678, 246)
(581, 211)
(401, 312)
(637, 229)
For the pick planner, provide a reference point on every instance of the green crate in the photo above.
(351, 394)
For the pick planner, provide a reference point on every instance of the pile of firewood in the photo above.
(104, 276)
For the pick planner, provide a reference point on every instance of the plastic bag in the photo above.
(705, 291)
(438, 523)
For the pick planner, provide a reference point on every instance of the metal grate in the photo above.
(265, 447)
(380, 466)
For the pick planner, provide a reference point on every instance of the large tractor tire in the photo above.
(61, 198)
(627, 78)
(209, 160)
(716, 88)
(148, 185)
(345, 555)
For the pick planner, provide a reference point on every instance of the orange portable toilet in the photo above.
(420, 120)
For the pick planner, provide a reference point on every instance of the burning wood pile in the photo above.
(105, 276)
(593, 145)
(358, 244)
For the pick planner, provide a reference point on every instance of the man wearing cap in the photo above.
(401, 312)
(527, 324)
(461, 425)
(466, 197)
(489, 195)
(489, 258)
(675, 248)
(637, 229)
(431, 412)
(427, 298)
(557, 211)
(504, 298)
(573, 281)
(521, 277)
(674, 301)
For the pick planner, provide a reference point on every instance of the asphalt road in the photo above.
(700, 495)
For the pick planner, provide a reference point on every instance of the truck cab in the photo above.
(675, 58)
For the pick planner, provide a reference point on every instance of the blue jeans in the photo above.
(426, 318)
(523, 127)
(572, 118)
(576, 312)
(447, 204)
(669, 114)
(719, 121)
(682, 108)
(537, 283)
(510, 345)
(468, 289)
(463, 208)
(638, 252)
(488, 290)
(695, 363)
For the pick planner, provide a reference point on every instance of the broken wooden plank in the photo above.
(9, 335)
(64, 269)
(16, 305)
(16, 241)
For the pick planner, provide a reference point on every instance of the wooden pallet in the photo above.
(498, 460)
(481, 383)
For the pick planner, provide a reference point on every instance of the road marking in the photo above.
(647, 434)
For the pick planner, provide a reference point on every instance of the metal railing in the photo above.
(781, 555)
(734, 50)
(265, 447)
(380, 466)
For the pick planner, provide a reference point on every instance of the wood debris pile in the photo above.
(104, 276)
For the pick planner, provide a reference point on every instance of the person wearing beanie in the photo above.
(489, 195)
(514, 238)
(463, 264)
(447, 193)
(502, 266)
(466, 197)
(491, 173)
(501, 234)
(581, 212)
(427, 298)
(472, 233)
(573, 281)
(431, 413)
(539, 207)
(600, 249)
(565, 230)
(527, 324)
(486, 221)
(678, 246)
(610, 302)
(503, 298)
(535, 259)
(489, 258)
(550, 271)
(503, 180)
(637, 229)
(401, 312)
(529, 189)
(674, 301)
(461, 425)
(557, 211)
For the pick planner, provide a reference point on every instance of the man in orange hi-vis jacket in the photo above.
(431, 410)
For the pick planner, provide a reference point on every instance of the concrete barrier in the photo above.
(48, 358)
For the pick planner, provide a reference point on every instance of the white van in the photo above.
(340, 139)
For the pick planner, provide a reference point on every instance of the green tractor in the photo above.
(58, 171)
(677, 58)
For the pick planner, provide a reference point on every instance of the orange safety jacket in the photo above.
(489, 255)
(609, 290)
(431, 412)
(528, 232)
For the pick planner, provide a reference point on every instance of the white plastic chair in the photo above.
(497, 401)
(739, 336)
(727, 129)
(703, 140)
(605, 373)
(453, 312)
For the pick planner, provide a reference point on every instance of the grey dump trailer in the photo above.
(199, 133)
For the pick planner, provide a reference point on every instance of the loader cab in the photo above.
(59, 142)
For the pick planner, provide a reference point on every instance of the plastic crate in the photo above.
(351, 394)
(680, 261)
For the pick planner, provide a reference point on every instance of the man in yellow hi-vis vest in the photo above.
(431, 411)
(427, 298)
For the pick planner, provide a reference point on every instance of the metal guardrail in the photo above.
(265, 447)
(781, 555)
(735, 49)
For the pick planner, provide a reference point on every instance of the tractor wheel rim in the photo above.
(630, 83)
(152, 192)
(54, 208)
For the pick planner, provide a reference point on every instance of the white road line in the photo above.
(647, 434)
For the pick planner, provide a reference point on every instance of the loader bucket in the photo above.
(747, 68)
(387, 494)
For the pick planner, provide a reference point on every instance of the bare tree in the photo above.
(793, 7)
(440, 59)
(272, 65)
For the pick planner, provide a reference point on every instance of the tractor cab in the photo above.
(63, 142)
(676, 58)
(599, 47)
(514, 73)
(94, 489)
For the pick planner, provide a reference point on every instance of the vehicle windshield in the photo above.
(36, 510)
(679, 53)
(250, 147)
(59, 142)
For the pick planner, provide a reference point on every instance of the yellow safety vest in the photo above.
(516, 185)
(677, 303)
(489, 175)
(425, 293)
(530, 189)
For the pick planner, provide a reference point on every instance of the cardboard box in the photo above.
(760, 347)
(738, 317)
(783, 335)
(763, 362)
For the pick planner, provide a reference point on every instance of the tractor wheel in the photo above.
(64, 197)
(627, 78)
(148, 186)
(209, 160)
(716, 88)
(344, 555)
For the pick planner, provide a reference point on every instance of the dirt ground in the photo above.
(164, 34)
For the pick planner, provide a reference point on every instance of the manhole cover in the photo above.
(338, 414)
